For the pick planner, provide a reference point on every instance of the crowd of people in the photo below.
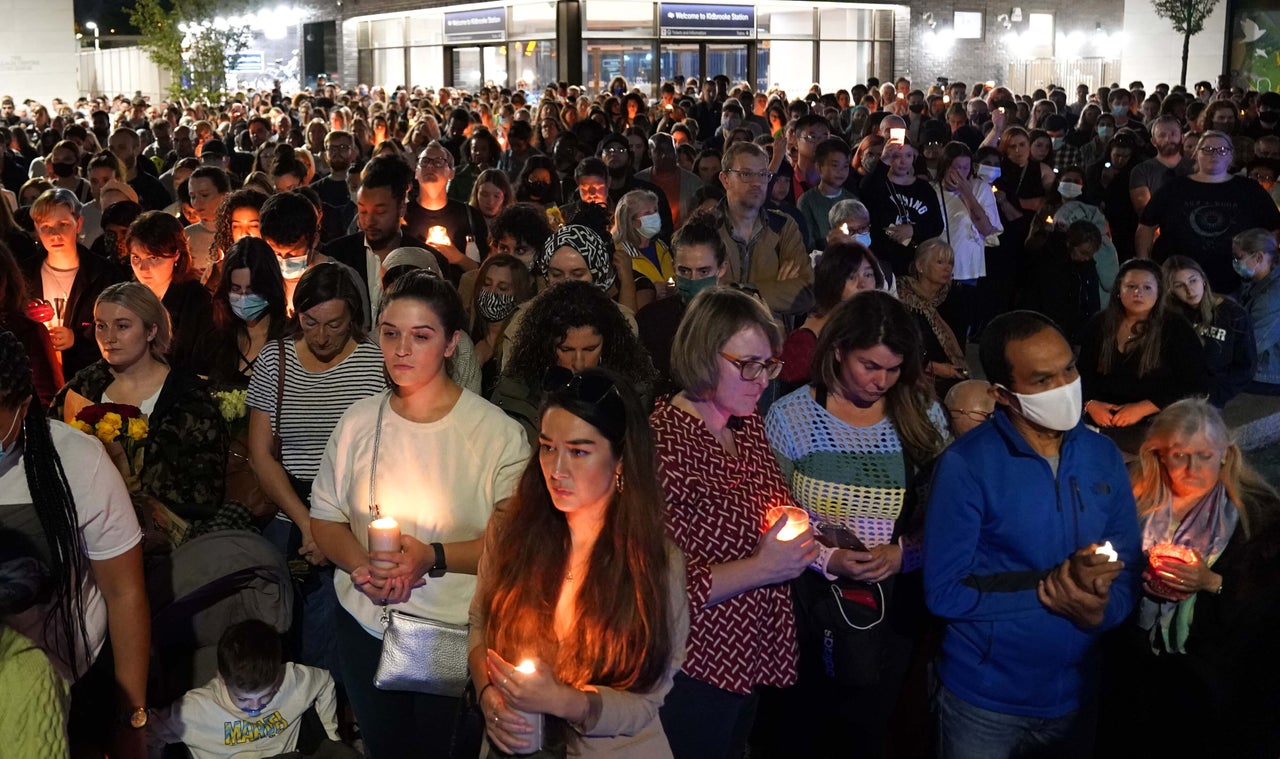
(423, 422)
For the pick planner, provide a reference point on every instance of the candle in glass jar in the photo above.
(538, 721)
(797, 521)
(384, 536)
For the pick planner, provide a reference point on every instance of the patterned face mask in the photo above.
(495, 307)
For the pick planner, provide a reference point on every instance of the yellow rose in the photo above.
(82, 426)
(111, 418)
(138, 428)
(107, 433)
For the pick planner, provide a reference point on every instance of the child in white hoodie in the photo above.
(254, 707)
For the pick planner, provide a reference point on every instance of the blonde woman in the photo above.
(635, 229)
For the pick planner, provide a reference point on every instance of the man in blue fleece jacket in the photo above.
(1019, 507)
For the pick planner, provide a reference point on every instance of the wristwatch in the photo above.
(137, 718)
(439, 567)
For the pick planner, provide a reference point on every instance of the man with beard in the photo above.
(340, 152)
(381, 203)
(766, 248)
(259, 133)
(615, 151)
(1153, 173)
(677, 184)
(444, 224)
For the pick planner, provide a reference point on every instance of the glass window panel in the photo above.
(533, 65)
(362, 34)
(729, 59)
(533, 19)
(389, 32)
(494, 58)
(785, 63)
(967, 25)
(426, 66)
(1039, 35)
(843, 64)
(603, 60)
(883, 65)
(781, 21)
(364, 66)
(679, 60)
(846, 24)
(466, 68)
(426, 29)
(388, 67)
(884, 25)
(612, 16)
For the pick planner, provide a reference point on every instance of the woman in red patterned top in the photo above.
(720, 479)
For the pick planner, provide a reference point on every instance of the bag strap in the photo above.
(373, 467)
(279, 383)
(835, 594)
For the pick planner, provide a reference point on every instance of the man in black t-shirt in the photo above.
(442, 223)
(340, 152)
(905, 210)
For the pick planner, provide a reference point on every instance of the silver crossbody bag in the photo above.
(418, 654)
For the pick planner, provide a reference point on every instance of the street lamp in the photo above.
(93, 26)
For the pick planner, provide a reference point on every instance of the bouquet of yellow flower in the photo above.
(117, 423)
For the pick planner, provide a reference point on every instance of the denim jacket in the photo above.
(1262, 300)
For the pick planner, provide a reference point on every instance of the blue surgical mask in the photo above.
(1119, 110)
(247, 306)
(1242, 268)
(1058, 142)
(863, 239)
(650, 225)
(292, 268)
(1070, 190)
(989, 174)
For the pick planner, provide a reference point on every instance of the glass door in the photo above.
(729, 58)
(680, 60)
(473, 67)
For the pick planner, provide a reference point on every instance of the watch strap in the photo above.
(439, 568)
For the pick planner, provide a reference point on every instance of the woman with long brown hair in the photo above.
(578, 580)
(1136, 356)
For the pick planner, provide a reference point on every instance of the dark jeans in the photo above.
(966, 731)
(705, 722)
(394, 724)
(315, 601)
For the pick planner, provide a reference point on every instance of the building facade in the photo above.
(787, 43)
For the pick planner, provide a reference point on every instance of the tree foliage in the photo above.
(192, 40)
(1187, 17)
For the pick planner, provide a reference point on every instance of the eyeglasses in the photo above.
(750, 370)
(340, 148)
(752, 176)
(588, 387)
(1220, 150)
(973, 416)
(614, 150)
(814, 136)
(435, 163)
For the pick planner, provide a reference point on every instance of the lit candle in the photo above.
(384, 535)
(1048, 220)
(538, 721)
(1106, 550)
(438, 235)
(797, 521)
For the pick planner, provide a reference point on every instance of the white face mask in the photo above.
(1058, 409)
(1070, 190)
(989, 174)
(650, 225)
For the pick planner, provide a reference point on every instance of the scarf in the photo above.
(911, 297)
(1206, 529)
(587, 243)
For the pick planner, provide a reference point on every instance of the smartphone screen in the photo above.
(898, 135)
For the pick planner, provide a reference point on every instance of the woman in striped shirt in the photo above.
(328, 364)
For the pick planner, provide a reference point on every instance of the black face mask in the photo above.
(916, 107)
(539, 189)
(64, 170)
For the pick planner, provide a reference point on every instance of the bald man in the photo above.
(969, 403)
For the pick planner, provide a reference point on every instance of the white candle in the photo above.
(1106, 550)
(384, 536)
(797, 521)
(538, 721)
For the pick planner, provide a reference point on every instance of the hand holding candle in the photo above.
(438, 235)
(1107, 550)
(797, 521)
(384, 536)
(536, 720)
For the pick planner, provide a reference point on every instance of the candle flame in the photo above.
(385, 523)
(1048, 220)
(526, 667)
(1107, 550)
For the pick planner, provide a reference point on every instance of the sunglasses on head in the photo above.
(589, 388)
